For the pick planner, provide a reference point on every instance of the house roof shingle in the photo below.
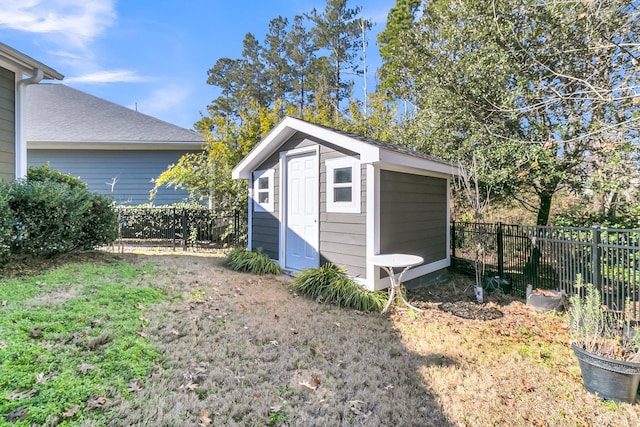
(58, 114)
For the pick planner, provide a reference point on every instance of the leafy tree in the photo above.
(537, 88)
(276, 58)
(337, 29)
(399, 21)
(297, 70)
(301, 54)
(380, 122)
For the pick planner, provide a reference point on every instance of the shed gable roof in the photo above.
(62, 117)
(370, 150)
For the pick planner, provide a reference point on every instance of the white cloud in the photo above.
(78, 22)
(168, 103)
(106, 76)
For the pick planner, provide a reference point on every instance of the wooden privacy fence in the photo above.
(177, 227)
(554, 257)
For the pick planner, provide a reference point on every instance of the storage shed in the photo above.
(320, 195)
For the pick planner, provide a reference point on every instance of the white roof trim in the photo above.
(114, 145)
(413, 162)
(18, 61)
(369, 153)
(284, 130)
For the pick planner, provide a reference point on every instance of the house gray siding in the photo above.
(132, 169)
(413, 215)
(7, 125)
(342, 235)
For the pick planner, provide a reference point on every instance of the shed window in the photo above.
(263, 190)
(343, 185)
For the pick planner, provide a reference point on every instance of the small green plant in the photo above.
(330, 284)
(277, 416)
(597, 329)
(252, 262)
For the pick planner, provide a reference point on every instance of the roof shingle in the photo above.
(58, 113)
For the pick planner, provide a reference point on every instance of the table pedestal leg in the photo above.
(396, 287)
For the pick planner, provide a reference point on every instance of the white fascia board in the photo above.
(368, 153)
(283, 131)
(18, 62)
(260, 152)
(417, 163)
(114, 145)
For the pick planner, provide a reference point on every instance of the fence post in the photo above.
(452, 244)
(500, 248)
(236, 227)
(185, 232)
(173, 225)
(595, 256)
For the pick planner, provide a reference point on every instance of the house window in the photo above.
(263, 190)
(343, 185)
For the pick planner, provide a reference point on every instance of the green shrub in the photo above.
(6, 224)
(253, 262)
(100, 225)
(49, 217)
(330, 284)
(55, 213)
(44, 173)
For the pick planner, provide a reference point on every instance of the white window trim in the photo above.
(344, 207)
(263, 207)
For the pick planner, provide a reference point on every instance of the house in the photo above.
(14, 66)
(320, 195)
(115, 150)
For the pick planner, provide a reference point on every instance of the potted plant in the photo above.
(606, 346)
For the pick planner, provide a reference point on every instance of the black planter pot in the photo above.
(609, 379)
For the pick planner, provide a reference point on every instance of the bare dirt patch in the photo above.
(244, 350)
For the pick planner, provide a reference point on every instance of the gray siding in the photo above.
(342, 235)
(266, 225)
(133, 170)
(413, 215)
(7, 125)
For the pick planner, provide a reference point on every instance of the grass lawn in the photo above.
(172, 340)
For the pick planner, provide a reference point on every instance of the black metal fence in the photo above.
(178, 227)
(554, 257)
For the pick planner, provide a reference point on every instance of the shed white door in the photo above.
(301, 237)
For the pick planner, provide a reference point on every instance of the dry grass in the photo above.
(243, 350)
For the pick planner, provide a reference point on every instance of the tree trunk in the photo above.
(544, 210)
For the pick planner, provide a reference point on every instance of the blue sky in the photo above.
(153, 54)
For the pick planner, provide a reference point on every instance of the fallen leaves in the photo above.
(17, 415)
(96, 402)
(16, 394)
(71, 412)
(313, 384)
(36, 332)
(308, 385)
(204, 419)
(85, 367)
(135, 385)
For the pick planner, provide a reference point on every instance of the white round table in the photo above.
(390, 261)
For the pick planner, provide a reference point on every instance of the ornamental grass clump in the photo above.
(329, 284)
(252, 262)
(601, 331)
